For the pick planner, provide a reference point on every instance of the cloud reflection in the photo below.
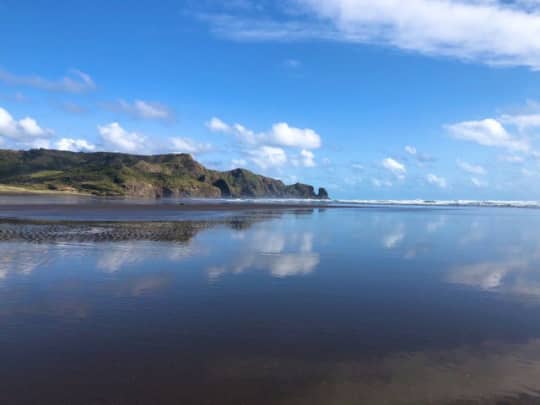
(280, 253)
(21, 259)
(392, 239)
(517, 275)
(114, 257)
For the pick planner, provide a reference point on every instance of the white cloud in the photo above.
(245, 135)
(144, 109)
(471, 169)
(238, 163)
(120, 140)
(24, 128)
(217, 125)
(284, 135)
(397, 168)
(411, 150)
(281, 134)
(478, 183)
(522, 121)
(494, 32)
(186, 145)
(488, 132)
(75, 145)
(307, 158)
(436, 180)
(75, 82)
(268, 156)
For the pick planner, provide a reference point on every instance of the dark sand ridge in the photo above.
(106, 231)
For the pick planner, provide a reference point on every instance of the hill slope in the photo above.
(117, 174)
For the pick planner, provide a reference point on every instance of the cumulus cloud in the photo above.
(281, 134)
(285, 135)
(436, 180)
(144, 109)
(75, 145)
(395, 167)
(217, 125)
(120, 140)
(266, 149)
(471, 168)
(494, 32)
(25, 128)
(75, 82)
(488, 132)
(268, 157)
(306, 159)
(186, 145)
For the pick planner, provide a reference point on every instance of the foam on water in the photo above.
(447, 203)
(415, 202)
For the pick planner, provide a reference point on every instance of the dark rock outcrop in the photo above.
(323, 194)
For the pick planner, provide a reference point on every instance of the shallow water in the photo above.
(390, 305)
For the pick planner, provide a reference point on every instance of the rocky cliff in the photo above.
(116, 174)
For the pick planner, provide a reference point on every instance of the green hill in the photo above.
(117, 174)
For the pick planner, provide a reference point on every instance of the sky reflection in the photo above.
(337, 306)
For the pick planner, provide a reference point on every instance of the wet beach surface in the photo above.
(269, 305)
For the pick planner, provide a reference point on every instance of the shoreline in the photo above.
(96, 211)
(179, 207)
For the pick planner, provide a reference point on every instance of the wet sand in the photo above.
(188, 206)
(269, 306)
(122, 211)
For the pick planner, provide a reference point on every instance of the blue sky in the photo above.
(434, 99)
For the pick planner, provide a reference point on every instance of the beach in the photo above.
(184, 302)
